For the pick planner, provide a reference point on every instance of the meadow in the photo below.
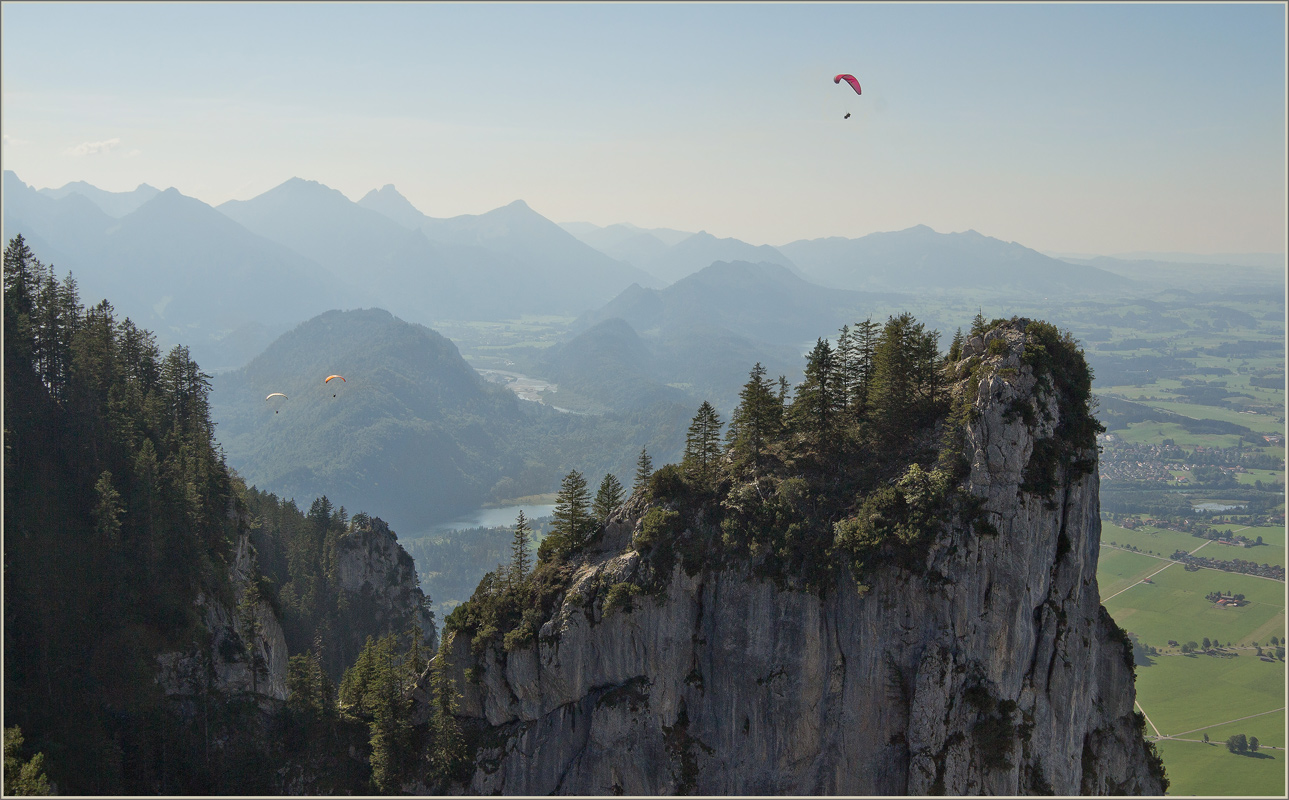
(1157, 432)
(1190, 693)
(1162, 541)
(1190, 696)
(1173, 605)
(1195, 768)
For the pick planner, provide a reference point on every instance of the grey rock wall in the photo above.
(995, 671)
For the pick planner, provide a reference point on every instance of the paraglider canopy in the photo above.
(854, 84)
(276, 394)
(329, 378)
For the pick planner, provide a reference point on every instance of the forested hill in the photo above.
(166, 630)
(412, 430)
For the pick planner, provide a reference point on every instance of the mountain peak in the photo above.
(388, 201)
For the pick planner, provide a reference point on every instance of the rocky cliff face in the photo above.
(378, 579)
(228, 662)
(994, 670)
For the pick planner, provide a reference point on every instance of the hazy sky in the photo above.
(1089, 128)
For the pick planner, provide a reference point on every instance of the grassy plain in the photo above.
(1162, 541)
(1173, 606)
(1272, 536)
(1117, 570)
(1265, 475)
(1157, 432)
(1262, 423)
(1201, 769)
(1189, 693)
(1266, 554)
(1269, 728)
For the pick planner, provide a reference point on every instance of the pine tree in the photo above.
(858, 373)
(756, 424)
(644, 470)
(571, 523)
(955, 347)
(905, 386)
(519, 552)
(251, 628)
(447, 745)
(607, 498)
(107, 513)
(814, 411)
(846, 356)
(22, 777)
(703, 447)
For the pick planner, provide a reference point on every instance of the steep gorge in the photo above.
(989, 667)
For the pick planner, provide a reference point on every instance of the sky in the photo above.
(1069, 128)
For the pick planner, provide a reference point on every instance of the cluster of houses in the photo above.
(1194, 562)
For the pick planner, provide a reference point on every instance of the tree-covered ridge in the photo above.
(117, 514)
(122, 526)
(298, 558)
(857, 468)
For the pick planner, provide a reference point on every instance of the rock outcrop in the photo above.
(223, 664)
(381, 591)
(992, 670)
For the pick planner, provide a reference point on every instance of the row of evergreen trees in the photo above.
(116, 515)
(871, 390)
(119, 512)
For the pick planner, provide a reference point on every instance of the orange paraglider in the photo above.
(331, 377)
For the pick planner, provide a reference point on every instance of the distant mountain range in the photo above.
(920, 259)
(699, 337)
(917, 259)
(114, 204)
(178, 267)
(226, 281)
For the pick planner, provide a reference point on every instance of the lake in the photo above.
(500, 517)
(1202, 507)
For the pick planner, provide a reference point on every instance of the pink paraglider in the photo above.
(854, 84)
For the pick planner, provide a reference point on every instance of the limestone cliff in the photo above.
(990, 669)
(379, 587)
(379, 592)
(222, 663)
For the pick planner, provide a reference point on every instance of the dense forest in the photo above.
(121, 524)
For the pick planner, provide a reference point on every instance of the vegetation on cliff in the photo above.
(856, 468)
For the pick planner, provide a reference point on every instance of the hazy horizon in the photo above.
(1101, 128)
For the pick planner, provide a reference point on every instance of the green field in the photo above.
(1208, 769)
(1156, 432)
(1119, 569)
(1269, 728)
(1173, 606)
(1256, 422)
(1161, 541)
(1264, 475)
(1189, 693)
(1267, 554)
